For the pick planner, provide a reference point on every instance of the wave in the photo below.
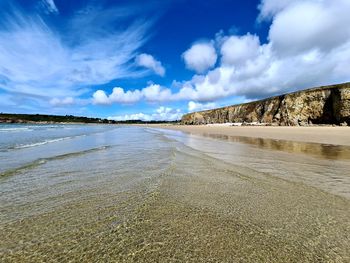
(8, 128)
(28, 128)
(41, 161)
(15, 129)
(29, 145)
(41, 143)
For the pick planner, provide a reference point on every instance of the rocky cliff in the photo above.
(322, 105)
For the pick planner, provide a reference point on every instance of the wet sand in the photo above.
(318, 134)
(171, 197)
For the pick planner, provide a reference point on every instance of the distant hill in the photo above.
(321, 105)
(41, 118)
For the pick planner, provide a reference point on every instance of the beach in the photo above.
(157, 194)
(312, 134)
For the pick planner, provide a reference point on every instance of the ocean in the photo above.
(110, 193)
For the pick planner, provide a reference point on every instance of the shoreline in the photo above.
(316, 134)
(152, 197)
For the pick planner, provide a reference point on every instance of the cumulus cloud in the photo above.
(306, 25)
(151, 93)
(237, 50)
(309, 45)
(118, 95)
(300, 53)
(131, 117)
(160, 114)
(100, 97)
(148, 61)
(196, 106)
(166, 113)
(155, 92)
(200, 57)
(269, 8)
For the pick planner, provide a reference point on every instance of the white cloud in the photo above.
(308, 45)
(128, 117)
(151, 93)
(155, 92)
(37, 63)
(118, 95)
(299, 54)
(62, 102)
(49, 6)
(237, 50)
(148, 61)
(166, 113)
(269, 8)
(160, 114)
(196, 106)
(100, 97)
(216, 84)
(200, 57)
(311, 25)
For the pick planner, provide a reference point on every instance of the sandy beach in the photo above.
(109, 193)
(317, 134)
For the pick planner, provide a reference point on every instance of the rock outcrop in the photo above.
(322, 105)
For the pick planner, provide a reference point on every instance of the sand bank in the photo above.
(316, 134)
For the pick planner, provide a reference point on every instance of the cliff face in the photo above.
(323, 105)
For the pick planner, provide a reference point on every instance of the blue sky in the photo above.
(161, 59)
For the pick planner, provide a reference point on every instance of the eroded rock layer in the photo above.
(322, 105)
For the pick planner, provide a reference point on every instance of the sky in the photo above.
(160, 59)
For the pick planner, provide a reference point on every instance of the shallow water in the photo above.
(327, 151)
(129, 194)
(311, 166)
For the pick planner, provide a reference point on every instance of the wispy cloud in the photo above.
(49, 6)
(43, 66)
(37, 61)
(62, 102)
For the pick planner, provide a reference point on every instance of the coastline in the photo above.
(154, 194)
(312, 134)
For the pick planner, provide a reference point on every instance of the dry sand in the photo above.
(316, 134)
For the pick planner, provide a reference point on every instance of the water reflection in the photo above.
(148, 198)
(290, 161)
(327, 151)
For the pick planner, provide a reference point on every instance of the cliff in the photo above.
(322, 105)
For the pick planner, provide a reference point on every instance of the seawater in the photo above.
(103, 193)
